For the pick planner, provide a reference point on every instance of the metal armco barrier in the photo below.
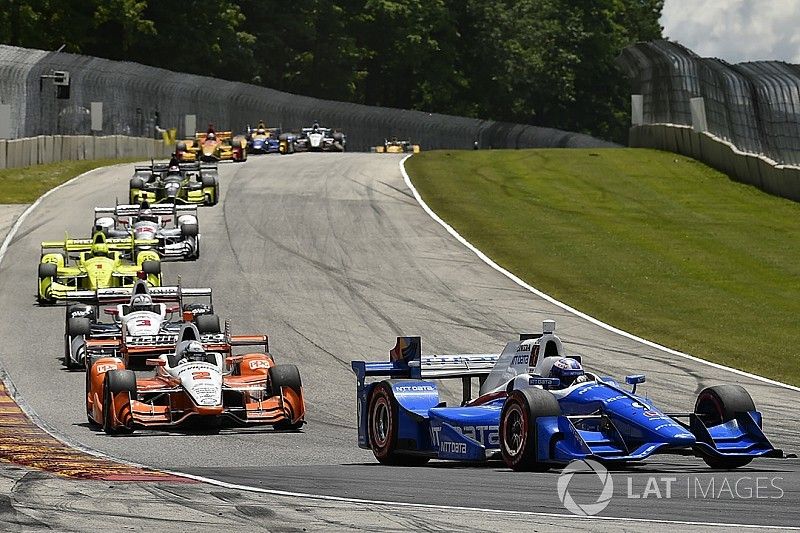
(744, 116)
(17, 153)
(136, 98)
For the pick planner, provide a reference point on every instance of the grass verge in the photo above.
(25, 185)
(652, 242)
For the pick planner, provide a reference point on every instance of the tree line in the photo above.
(541, 62)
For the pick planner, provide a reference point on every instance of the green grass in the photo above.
(24, 185)
(654, 243)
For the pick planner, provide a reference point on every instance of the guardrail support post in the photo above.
(637, 110)
(698, 108)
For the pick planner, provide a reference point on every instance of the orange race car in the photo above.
(197, 378)
(221, 146)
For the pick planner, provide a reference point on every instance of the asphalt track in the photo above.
(332, 257)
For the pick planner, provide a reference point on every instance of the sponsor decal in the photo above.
(105, 367)
(414, 388)
(459, 448)
(258, 363)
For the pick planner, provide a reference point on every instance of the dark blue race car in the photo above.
(537, 409)
(264, 140)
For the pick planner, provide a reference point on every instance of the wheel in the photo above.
(382, 423)
(116, 381)
(78, 326)
(720, 404)
(92, 422)
(189, 230)
(207, 323)
(286, 376)
(151, 267)
(135, 196)
(47, 270)
(518, 442)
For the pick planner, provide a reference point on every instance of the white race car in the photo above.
(174, 226)
(319, 139)
(137, 313)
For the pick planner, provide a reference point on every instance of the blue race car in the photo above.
(263, 140)
(538, 409)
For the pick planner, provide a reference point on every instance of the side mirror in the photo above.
(634, 380)
(173, 308)
(155, 362)
(233, 359)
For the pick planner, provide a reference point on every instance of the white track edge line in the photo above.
(486, 259)
(6, 379)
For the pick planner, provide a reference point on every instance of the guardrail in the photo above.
(17, 153)
(742, 119)
(135, 98)
(754, 169)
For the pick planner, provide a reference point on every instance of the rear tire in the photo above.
(518, 440)
(720, 404)
(208, 324)
(382, 423)
(151, 267)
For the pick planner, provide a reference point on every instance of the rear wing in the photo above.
(85, 245)
(119, 295)
(128, 210)
(406, 361)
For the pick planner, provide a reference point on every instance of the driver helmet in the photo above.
(568, 371)
(261, 131)
(191, 351)
(146, 215)
(104, 224)
(99, 249)
(141, 302)
(211, 136)
(174, 169)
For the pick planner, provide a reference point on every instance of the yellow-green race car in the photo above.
(96, 263)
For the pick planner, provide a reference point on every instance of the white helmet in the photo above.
(190, 351)
(141, 302)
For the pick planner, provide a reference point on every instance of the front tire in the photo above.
(286, 376)
(519, 444)
(717, 405)
(116, 382)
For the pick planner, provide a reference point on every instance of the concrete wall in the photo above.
(753, 169)
(18, 153)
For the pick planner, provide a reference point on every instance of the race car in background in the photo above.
(263, 140)
(113, 319)
(534, 421)
(186, 150)
(198, 378)
(319, 139)
(286, 142)
(94, 263)
(395, 146)
(195, 183)
(221, 146)
(174, 226)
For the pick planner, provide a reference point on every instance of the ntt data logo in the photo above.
(581, 466)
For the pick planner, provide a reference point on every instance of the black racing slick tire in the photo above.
(47, 270)
(207, 323)
(717, 405)
(519, 445)
(136, 183)
(208, 181)
(286, 376)
(116, 381)
(151, 267)
(189, 230)
(382, 428)
(78, 326)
